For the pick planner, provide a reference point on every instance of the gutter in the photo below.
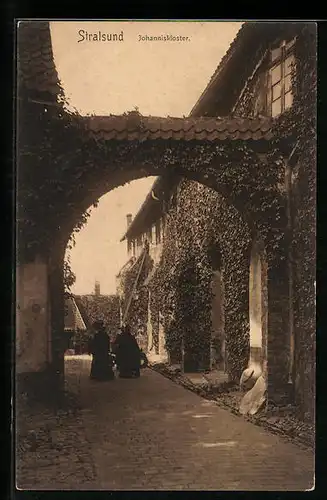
(137, 217)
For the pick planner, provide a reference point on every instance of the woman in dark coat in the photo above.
(128, 355)
(101, 368)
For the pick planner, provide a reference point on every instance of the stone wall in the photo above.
(33, 349)
(181, 288)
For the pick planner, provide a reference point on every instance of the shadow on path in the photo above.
(152, 434)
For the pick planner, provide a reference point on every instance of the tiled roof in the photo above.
(36, 68)
(137, 127)
(226, 83)
(73, 317)
(152, 208)
(127, 266)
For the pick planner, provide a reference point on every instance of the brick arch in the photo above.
(117, 162)
(155, 145)
(217, 152)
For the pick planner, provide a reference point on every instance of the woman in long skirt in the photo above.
(128, 355)
(101, 368)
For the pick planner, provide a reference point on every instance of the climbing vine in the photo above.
(180, 287)
(69, 276)
(50, 139)
(100, 308)
(135, 300)
(60, 172)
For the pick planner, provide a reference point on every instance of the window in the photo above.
(282, 62)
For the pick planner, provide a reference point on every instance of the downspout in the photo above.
(288, 186)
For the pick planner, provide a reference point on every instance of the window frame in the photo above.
(286, 49)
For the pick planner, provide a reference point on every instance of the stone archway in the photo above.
(67, 162)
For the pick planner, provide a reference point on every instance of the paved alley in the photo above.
(152, 434)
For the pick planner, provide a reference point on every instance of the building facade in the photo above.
(99, 307)
(144, 238)
(75, 327)
(207, 295)
(244, 225)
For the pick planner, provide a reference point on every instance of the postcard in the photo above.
(165, 272)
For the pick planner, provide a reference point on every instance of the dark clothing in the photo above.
(127, 355)
(101, 368)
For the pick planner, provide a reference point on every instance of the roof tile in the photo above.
(156, 135)
(211, 129)
(178, 135)
(247, 135)
(202, 135)
(37, 71)
(167, 134)
(175, 125)
(120, 135)
(133, 136)
(36, 68)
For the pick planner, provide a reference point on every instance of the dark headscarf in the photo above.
(98, 325)
(127, 330)
(100, 342)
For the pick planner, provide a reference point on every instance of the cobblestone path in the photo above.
(152, 434)
(52, 451)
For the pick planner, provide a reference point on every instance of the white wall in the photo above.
(255, 301)
(32, 317)
(155, 252)
(258, 307)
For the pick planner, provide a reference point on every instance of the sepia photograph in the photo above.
(165, 334)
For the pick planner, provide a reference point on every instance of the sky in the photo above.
(161, 78)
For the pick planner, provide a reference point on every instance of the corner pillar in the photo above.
(33, 339)
(278, 345)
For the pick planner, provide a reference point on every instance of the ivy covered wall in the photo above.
(100, 308)
(296, 137)
(60, 169)
(303, 213)
(180, 288)
(135, 300)
(283, 219)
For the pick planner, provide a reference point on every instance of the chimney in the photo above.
(129, 218)
(97, 288)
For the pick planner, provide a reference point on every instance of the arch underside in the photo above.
(236, 169)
